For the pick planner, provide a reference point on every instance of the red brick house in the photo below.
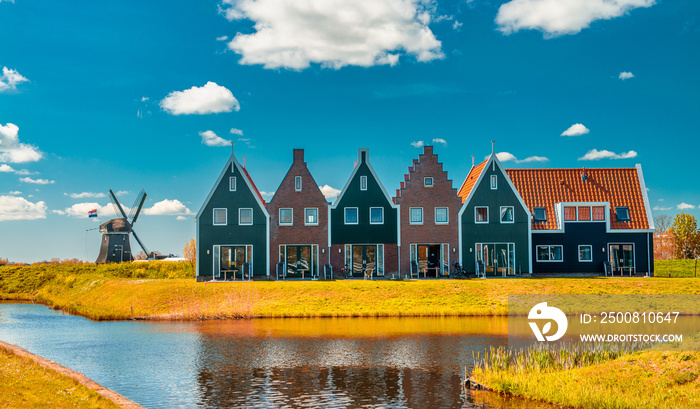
(428, 213)
(298, 224)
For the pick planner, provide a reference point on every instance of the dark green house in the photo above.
(364, 225)
(494, 229)
(233, 228)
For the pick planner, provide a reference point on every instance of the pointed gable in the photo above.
(471, 180)
(309, 188)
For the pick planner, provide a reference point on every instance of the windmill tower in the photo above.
(115, 247)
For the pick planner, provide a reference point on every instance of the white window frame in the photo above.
(447, 213)
(579, 253)
(494, 182)
(225, 216)
(512, 208)
(370, 215)
(410, 215)
(345, 214)
(476, 213)
(549, 252)
(363, 182)
(251, 216)
(306, 216)
(425, 181)
(291, 211)
(297, 183)
(232, 184)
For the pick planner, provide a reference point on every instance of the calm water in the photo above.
(268, 363)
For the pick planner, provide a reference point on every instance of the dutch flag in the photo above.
(92, 213)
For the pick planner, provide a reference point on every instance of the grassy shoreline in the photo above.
(160, 291)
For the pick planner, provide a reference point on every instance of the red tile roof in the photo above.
(617, 186)
(470, 181)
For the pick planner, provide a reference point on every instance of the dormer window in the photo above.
(363, 182)
(539, 214)
(622, 214)
(297, 183)
(428, 182)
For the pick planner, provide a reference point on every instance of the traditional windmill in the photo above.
(115, 246)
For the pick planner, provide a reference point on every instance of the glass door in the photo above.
(496, 259)
(622, 258)
(300, 261)
(363, 257)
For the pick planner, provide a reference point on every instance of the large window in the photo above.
(232, 184)
(376, 215)
(585, 252)
(428, 182)
(584, 213)
(622, 214)
(363, 182)
(481, 214)
(599, 213)
(219, 217)
(311, 216)
(297, 183)
(441, 215)
(549, 253)
(351, 215)
(245, 216)
(416, 215)
(286, 217)
(539, 214)
(569, 213)
(507, 214)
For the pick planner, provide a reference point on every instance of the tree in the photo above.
(663, 238)
(687, 236)
(190, 252)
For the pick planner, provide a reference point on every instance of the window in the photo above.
(441, 215)
(584, 213)
(245, 216)
(363, 182)
(428, 182)
(540, 214)
(481, 214)
(494, 182)
(598, 213)
(585, 253)
(569, 213)
(622, 214)
(311, 216)
(286, 217)
(297, 183)
(351, 215)
(416, 215)
(507, 214)
(219, 217)
(549, 253)
(232, 184)
(376, 215)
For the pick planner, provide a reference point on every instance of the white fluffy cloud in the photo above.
(82, 209)
(417, 144)
(6, 169)
(685, 206)
(560, 17)
(37, 181)
(661, 209)
(84, 195)
(9, 79)
(209, 99)
(236, 131)
(167, 207)
(507, 157)
(595, 154)
(440, 141)
(329, 192)
(334, 33)
(209, 138)
(11, 150)
(576, 130)
(19, 208)
(626, 75)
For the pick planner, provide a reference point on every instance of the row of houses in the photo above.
(501, 222)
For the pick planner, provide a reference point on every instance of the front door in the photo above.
(496, 259)
(300, 261)
(622, 258)
(363, 257)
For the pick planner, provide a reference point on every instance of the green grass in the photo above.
(26, 384)
(675, 268)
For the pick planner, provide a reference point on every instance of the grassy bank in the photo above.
(99, 295)
(26, 384)
(647, 379)
(676, 268)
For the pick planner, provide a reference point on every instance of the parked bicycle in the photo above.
(458, 271)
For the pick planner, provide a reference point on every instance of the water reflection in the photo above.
(268, 363)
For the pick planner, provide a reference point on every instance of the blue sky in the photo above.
(130, 95)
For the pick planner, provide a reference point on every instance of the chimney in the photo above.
(244, 162)
(473, 160)
(298, 155)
